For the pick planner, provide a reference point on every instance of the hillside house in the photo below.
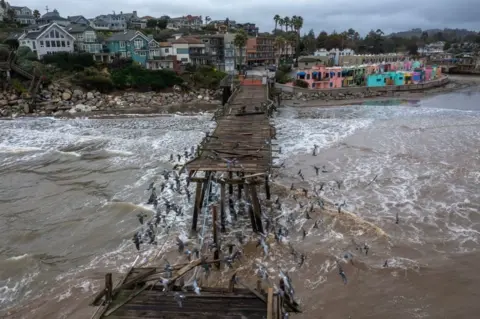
(118, 22)
(187, 22)
(23, 15)
(53, 17)
(47, 39)
(78, 20)
(85, 38)
(130, 44)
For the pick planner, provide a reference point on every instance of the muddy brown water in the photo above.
(71, 189)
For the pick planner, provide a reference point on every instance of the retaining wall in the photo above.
(361, 89)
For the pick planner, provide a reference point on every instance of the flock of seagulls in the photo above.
(276, 222)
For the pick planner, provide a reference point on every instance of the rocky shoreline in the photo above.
(56, 100)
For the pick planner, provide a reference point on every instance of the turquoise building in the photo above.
(130, 44)
(376, 80)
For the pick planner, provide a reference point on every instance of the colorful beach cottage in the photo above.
(322, 77)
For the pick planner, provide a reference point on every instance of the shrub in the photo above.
(134, 76)
(4, 54)
(301, 83)
(285, 68)
(69, 61)
(207, 77)
(97, 82)
(18, 86)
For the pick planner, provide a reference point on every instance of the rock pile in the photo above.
(327, 96)
(56, 100)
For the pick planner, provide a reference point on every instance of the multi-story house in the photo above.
(260, 50)
(130, 44)
(186, 48)
(230, 59)
(78, 20)
(53, 17)
(47, 39)
(118, 22)
(186, 22)
(249, 28)
(23, 15)
(85, 38)
(160, 56)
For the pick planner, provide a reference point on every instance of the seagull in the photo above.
(196, 289)
(180, 244)
(178, 298)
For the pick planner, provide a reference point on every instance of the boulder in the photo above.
(66, 96)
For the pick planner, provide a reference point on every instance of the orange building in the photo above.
(260, 50)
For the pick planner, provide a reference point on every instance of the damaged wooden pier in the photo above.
(142, 294)
(239, 152)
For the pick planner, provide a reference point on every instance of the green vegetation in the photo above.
(240, 41)
(301, 83)
(69, 61)
(136, 77)
(206, 77)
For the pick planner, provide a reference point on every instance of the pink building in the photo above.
(428, 73)
(321, 77)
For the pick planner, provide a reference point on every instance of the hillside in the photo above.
(445, 34)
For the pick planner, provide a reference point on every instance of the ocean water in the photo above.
(71, 190)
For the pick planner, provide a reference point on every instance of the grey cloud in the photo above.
(388, 15)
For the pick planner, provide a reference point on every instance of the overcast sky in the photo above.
(388, 15)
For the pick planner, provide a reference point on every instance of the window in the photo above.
(52, 34)
(68, 43)
(138, 43)
(34, 46)
(56, 34)
(182, 51)
(308, 76)
(123, 54)
(47, 43)
(63, 43)
(61, 36)
(58, 44)
(53, 44)
(142, 53)
(338, 74)
(41, 44)
(166, 50)
(47, 36)
(122, 44)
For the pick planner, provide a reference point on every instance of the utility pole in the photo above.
(46, 8)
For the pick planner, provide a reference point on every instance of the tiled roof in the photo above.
(165, 44)
(187, 40)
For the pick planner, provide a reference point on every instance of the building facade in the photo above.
(260, 50)
(183, 46)
(78, 20)
(215, 50)
(118, 22)
(47, 39)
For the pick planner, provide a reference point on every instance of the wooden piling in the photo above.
(216, 254)
(250, 209)
(197, 206)
(239, 187)
(222, 207)
(256, 208)
(270, 303)
(108, 287)
(267, 187)
(230, 186)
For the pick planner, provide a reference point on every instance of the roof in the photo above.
(75, 18)
(126, 35)
(14, 36)
(187, 40)
(165, 44)
(17, 8)
(35, 34)
(77, 28)
(312, 59)
(148, 18)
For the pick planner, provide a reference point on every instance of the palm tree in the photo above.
(279, 44)
(297, 25)
(288, 22)
(207, 19)
(281, 23)
(240, 41)
(276, 18)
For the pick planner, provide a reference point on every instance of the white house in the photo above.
(321, 52)
(47, 39)
(23, 15)
(335, 54)
(183, 46)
